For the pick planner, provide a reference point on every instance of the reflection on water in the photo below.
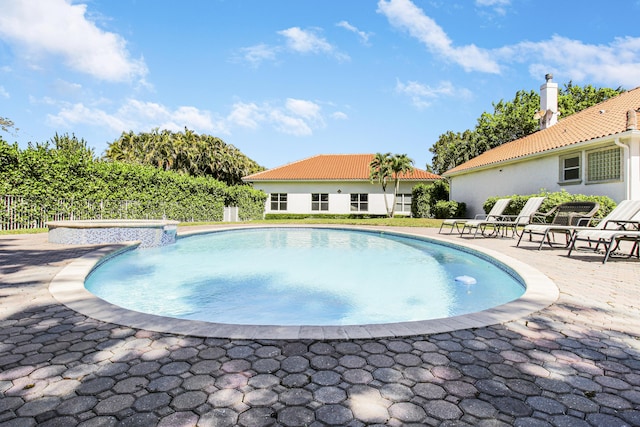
(302, 276)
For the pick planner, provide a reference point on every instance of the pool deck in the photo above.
(573, 363)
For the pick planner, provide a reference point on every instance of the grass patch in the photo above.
(385, 222)
(24, 231)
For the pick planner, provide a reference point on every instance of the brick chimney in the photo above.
(548, 114)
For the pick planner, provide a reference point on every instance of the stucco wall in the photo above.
(299, 195)
(522, 178)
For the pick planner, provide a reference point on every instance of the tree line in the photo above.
(66, 168)
(184, 152)
(509, 121)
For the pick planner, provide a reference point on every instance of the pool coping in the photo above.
(67, 287)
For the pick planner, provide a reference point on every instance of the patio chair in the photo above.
(502, 223)
(611, 238)
(497, 210)
(563, 217)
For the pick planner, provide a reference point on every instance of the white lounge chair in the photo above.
(619, 230)
(502, 223)
(498, 208)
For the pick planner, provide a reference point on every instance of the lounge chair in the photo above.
(564, 217)
(498, 208)
(502, 223)
(611, 238)
(617, 217)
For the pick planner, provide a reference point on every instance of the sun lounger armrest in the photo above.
(540, 218)
(505, 218)
(631, 225)
(480, 216)
(581, 221)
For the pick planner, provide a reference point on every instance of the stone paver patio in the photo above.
(575, 363)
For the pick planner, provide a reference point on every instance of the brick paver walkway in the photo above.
(576, 363)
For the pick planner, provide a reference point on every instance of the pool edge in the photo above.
(67, 287)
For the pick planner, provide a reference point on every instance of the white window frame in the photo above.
(589, 168)
(563, 169)
(278, 201)
(319, 202)
(403, 203)
(361, 202)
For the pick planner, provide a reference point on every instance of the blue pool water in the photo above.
(303, 276)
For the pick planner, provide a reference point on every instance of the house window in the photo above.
(403, 203)
(359, 202)
(278, 201)
(319, 202)
(570, 168)
(603, 165)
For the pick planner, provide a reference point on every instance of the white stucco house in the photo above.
(333, 184)
(594, 152)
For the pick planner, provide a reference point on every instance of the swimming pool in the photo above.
(305, 276)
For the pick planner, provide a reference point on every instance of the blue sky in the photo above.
(283, 80)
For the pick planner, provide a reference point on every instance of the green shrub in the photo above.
(552, 199)
(425, 197)
(66, 178)
(250, 202)
(287, 216)
(449, 209)
(420, 201)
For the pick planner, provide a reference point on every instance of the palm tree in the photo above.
(399, 164)
(380, 170)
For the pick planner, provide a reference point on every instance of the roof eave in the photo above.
(576, 145)
(332, 180)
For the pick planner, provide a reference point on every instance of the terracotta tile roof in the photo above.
(330, 167)
(604, 119)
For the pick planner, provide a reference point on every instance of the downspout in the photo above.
(627, 172)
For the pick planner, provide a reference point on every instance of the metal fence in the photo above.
(19, 213)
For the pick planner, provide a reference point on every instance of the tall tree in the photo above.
(185, 152)
(385, 167)
(6, 125)
(400, 164)
(510, 120)
(380, 170)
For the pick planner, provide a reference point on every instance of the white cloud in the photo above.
(4, 93)
(307, 41)
(59, 28)
(492, 3)
(289, 124)
(295, 117)
(339, 115)
(80, 114)
(138, 116)
(297, 40)
(615, 64)
(423, 95)
(258, 53)
(364, 37)
(246, 115)
(405, 15)
(499, 6)
(303, 108)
